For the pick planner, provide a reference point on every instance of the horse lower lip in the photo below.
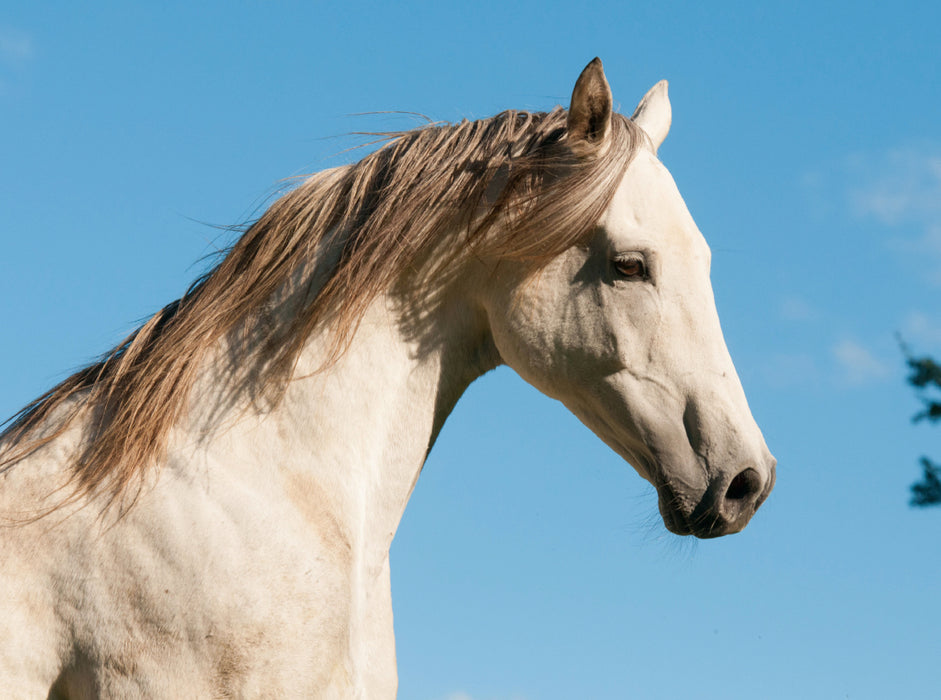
(674, 521)
(675, 526)
(711, 534)
(681, 524)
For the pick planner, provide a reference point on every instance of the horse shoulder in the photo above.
(210, 581)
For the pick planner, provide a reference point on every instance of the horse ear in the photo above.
(654, 115)
(590, 112)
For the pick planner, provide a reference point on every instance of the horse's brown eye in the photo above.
(631, 268)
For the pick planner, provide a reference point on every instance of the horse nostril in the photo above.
(747, 483)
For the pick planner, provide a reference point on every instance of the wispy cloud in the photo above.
(922, 331)
(857, 364)
(904, 187)
(901, 189)
(16, 50)
(795, 308)
(16, 47)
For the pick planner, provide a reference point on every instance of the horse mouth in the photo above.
(683, 524)
(724, 508)
(677, 518)
(704, 501)
(699, 524)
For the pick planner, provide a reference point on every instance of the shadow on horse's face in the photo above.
(624, 331)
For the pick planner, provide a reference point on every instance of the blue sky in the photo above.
(531, 563)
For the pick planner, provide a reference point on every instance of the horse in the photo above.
(207, 510)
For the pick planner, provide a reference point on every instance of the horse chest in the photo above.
(185, 596)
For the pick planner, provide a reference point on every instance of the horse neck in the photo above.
(352, 439)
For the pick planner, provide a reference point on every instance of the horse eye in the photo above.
(632, 268)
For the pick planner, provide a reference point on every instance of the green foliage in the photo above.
(927, 492)
(925, 376)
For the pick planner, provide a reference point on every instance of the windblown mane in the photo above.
(511, 187)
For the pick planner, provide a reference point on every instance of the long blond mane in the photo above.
(507, 187)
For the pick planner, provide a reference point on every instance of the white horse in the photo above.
(208, 510)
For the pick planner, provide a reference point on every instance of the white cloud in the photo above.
(924, 246)
(794, 308)
(902, 187)
(15, 46)
(16, 49)
(921, 331)
(859, 366)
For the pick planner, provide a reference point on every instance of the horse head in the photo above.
(622, 328)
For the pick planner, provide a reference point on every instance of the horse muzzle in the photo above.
(724, 508)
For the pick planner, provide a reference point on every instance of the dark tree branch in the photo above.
(925, 374)
(927, 492)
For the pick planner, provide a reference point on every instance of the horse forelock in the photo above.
(509, 187)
